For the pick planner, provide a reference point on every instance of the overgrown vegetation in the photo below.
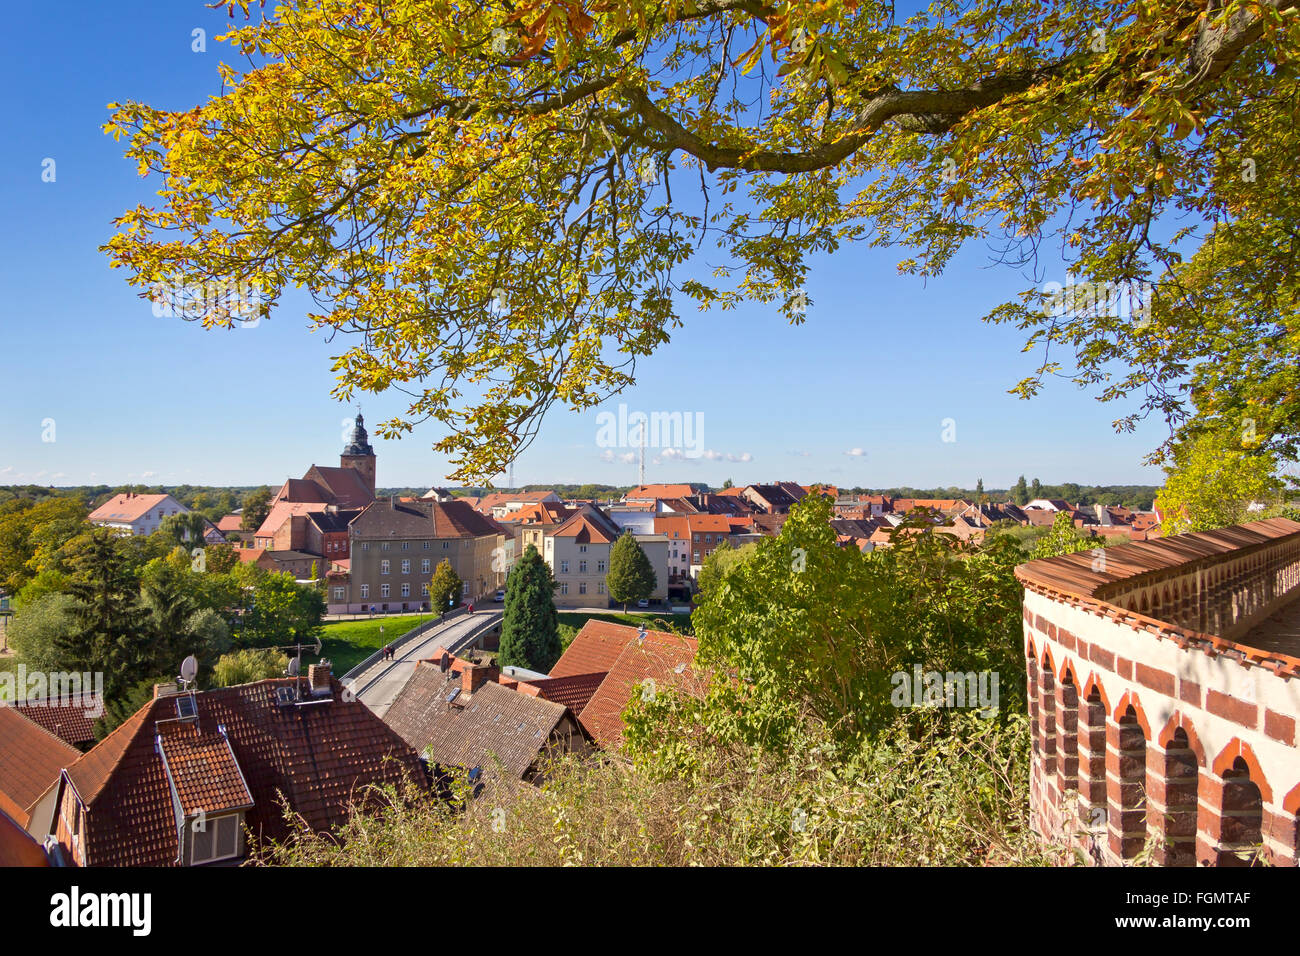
(781, 745)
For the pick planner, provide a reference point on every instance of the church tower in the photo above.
(358, 454)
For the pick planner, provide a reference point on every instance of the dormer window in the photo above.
(216, 838)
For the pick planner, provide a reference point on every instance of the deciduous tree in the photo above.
(499, 200)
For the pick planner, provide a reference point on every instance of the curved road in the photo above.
(379, 685)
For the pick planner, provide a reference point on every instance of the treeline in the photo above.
(211, 501)
(1137, 497)
(132, 607)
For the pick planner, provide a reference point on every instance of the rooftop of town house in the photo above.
(243, 746)
(126, 507)
(1234, 590)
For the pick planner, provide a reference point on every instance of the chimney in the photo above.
(318, 675)
(475, 676)
(164, 690)
(392, 501)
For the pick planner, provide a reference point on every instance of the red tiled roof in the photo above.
(573, 691)
(659, 491)
(17, 848)
(126, 507)
(68, 722)
(30, 760)
(319, 756)
(282, 511)
(585, 528)
(594, 648)
(203, 770)
(300, 490)
(231, 523)
(664, 658)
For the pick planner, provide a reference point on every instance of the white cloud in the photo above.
(855, 452)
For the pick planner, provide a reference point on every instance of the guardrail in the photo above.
(464, 642)
(417, 631)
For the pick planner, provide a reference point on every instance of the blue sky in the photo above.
(881, 362)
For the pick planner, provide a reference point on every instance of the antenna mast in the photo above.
(641, 469)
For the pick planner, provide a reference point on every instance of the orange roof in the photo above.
(17, 848)
(282, 511)
(126, 507)
(593, 649)
(250, 555)
(30, 760)
(231, 523)
(659, 491)
(687, 525)
(663, 658)
(733, 490)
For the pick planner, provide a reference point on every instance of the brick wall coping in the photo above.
(1146, 562)
(1281, 664)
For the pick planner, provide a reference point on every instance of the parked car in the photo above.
(499, 597)
(643, 603)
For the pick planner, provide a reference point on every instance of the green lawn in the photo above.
(653, 622)
(348, 643)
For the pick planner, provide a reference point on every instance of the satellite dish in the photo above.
(292, 669)
(189, 669)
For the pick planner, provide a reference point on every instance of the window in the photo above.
(406, 590)
(600, 588)
(384, 546)
(365, 545)
(697, 539)
(564, 588)
(365, 591)
(338, 594)
(406, 545)
(582, 587)
(582, 549)
(383, 566)
(217, 840)
(564, 567)
(600, 566)
(406, 567)
(697, 557)
(384, 590)
(708, 539)
(464, 589)
(426, 546)
(424, 590)
(445, 545)
(582, 567)
(424, 566)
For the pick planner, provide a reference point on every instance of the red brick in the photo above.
(1065, 638)
(1279, 726)
(1189, 692)
(1230, 708)
(1103, 657)
(1124, 667)
(1156, 679)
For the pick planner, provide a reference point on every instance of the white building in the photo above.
(139, 514)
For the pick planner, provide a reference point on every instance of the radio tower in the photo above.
(641, 469)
